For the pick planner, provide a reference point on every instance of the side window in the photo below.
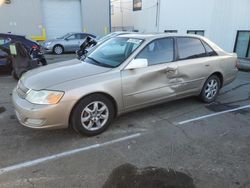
(190, 48)
(78, 36)
(159, 51)
(72, 37)
(83, 36)
(209, 50)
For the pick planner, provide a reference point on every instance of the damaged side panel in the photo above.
(147, 85)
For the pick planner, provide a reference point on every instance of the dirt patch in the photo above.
(129, 176)
(218, 107)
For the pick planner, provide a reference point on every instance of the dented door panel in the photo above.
(193, 73)
(150, 84)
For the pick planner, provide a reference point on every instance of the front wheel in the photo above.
(92, 115)
(43, 61)
(210, 89)
(58, 49)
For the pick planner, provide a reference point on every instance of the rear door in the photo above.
(156, 82)
(194, 64)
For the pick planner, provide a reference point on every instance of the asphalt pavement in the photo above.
(184, 143)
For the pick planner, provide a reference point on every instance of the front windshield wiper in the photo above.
(99, 63)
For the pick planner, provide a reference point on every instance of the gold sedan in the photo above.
(125, 73)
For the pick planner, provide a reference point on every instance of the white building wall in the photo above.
(26, 17)
(221, 19)
(21, 17)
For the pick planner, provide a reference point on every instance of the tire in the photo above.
(13, 73)
(92, 115)
(43, 61)
(210, 89)
(58, 49)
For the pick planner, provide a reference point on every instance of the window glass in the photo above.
(4, 41)
(114, 51)
(209, 50)
(158, 51)
(72, 37)
(170, 31)
(189, 48)
(83, 36)
(137, 5)
(200, 33)
(196, 32)
(242, 43)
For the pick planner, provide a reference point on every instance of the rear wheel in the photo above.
(43, 61)
(92, 115)
(210, 89)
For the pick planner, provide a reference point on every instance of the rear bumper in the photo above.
(230, 77)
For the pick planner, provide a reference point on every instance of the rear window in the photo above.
(4, 40)
(209, 50)
(189, 48)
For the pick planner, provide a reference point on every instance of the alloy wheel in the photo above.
(94, 116)
(212, 88)
(58, 50)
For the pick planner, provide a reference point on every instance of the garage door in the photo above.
(61, 17)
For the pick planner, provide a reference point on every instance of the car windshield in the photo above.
(106, 37)
(113, 52)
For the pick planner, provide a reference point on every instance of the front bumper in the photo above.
(47, 48)
(41, 116)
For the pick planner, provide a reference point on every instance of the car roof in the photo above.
(152, 36)
(11, 35)
(149, 36)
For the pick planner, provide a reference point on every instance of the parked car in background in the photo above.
(33, 48)
(123, 74)
(67, 43)
(113, 34)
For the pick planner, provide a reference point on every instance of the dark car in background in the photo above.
(33, 48)
(5, 61)
(67, 43)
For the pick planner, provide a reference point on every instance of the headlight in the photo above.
(48, 43)
(44, 97)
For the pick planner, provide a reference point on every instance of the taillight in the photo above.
(35, 47)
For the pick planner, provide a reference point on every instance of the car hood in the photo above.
(57, 73)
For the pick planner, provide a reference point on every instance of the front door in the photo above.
(156, 82)
(72, 43)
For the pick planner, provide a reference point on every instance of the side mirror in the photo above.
(137, 63)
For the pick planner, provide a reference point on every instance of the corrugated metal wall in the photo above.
(96, 16)
(21, 17)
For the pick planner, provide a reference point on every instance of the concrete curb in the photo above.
(244, 65)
